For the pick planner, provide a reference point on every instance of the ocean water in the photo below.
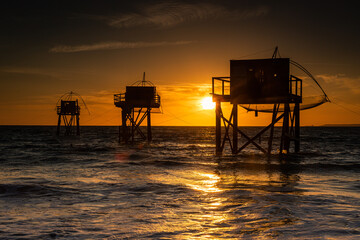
(91, 187)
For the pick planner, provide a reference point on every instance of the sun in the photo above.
(207, 103)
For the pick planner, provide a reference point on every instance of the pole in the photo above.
(218, 128)
(124, 127)
(133, 125)
(286, 127)
(235, 129)
(271, 136)
(77, 124)
(297, 127)
(149, 136)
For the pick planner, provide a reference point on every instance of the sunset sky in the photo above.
(96, 48)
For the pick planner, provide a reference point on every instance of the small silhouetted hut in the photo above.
(136, 105)
(69, 112)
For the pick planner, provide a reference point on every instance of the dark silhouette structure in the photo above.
(259, 81)
(69, 112)
(136, 105)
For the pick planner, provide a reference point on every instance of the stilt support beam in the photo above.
(69, 113)
(290, 130)
(218, 128)
(130, 130)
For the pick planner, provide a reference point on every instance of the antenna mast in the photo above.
(143, 81)
(276, 52)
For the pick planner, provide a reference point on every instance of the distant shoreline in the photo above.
(324, 125)
(340, 125)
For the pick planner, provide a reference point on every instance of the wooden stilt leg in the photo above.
(77, 124)
(271, 135)
(218, 128)
(124, 127)
(297, 126)
(286, 139)
(235, 129)
(149, 136)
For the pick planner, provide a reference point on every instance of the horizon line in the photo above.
(52, 125)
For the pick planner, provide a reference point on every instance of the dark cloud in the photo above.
(113, 45)
(167, 14)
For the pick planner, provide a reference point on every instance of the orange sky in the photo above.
(97, 50)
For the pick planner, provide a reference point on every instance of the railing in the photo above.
(119, 97)
(157, 99)
(225, 85)
(295, 86)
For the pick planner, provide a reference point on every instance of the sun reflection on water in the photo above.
(208, 183)
(229, 200)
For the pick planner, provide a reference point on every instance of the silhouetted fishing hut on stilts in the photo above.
(259, 81)
(68, 110)
(136, 105)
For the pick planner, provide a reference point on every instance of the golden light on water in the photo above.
(207, 103)
(227, 200)
(208, 184)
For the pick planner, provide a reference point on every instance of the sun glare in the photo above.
(207, 103)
